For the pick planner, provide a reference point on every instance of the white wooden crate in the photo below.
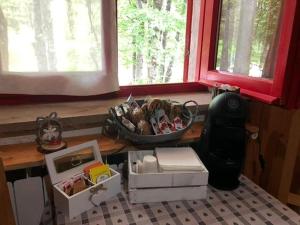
(164, 186)
(74, 205)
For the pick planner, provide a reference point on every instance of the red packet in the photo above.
(163, 121)
(87, 169)
(178, 124)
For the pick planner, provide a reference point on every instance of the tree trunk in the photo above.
(93, 49)
(3, 43)
(162, 66)
(39, 45)
(171, 63)
(139, 65)
(272, 44)
(227, 36)
(70, 19)
(137, 56)
(48, 31)
(152, 67)
(244, 39)
(157, 4)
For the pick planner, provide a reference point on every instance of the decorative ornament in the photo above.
(49, 134)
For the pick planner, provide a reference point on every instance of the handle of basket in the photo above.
(185, 107)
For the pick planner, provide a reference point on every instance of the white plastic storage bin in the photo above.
(69, 163)
(164, 186)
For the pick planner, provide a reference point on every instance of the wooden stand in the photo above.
(6, 212)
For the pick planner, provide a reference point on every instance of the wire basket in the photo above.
(158, 138)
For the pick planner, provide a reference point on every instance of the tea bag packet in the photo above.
(154, 104)
(87, 169)
(74, 185)
(126, 110)
(176, 111)
(67, 187)
(119, 112)
(129, 125)
(178, 124)
(137, 115)
(144, 128)
(132, 103)
(99, 173)
(79, 184)
(166, 105)
(154, 125)
(163, 121)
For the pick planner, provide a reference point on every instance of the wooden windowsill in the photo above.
(20, 119)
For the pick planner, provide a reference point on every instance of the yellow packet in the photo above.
(99, 173)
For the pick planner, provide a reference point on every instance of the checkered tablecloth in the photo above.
(248, 204)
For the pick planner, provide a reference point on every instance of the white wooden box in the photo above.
(70, 162)
(164, 186)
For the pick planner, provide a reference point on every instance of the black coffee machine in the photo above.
(222, 143)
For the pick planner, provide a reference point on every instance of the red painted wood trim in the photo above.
(200, 39)
(286, 29)
(211, 13)
(125, 91)
(161, 89)
(245, 92)
(259, 87)
(262, 85)
(188, 35)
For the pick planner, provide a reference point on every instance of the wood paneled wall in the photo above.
(274, 132)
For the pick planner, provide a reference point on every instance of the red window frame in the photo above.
(266, 90)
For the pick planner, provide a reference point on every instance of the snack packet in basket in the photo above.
(164, 124)
(154, 125)
(132, 103)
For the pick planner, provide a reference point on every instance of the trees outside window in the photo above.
(151, 39)
(52, 35)
(248, 37)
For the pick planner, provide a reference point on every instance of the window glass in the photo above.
(50, 35)
(151, 41)
(248, 37)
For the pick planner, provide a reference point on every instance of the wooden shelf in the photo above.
(26, 155)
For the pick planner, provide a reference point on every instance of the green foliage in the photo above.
(16, 12)
(156, 34)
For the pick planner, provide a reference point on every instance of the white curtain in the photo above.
(73, 83)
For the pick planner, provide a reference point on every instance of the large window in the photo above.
(69, 47)
(58, 47)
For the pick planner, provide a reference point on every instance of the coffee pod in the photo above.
(149, 164)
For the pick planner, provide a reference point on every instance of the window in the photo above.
(58, 47)
(161, 42)
(247, 43)
(151, 41)
(69, 47)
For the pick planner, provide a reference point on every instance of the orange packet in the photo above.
(87, 169)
